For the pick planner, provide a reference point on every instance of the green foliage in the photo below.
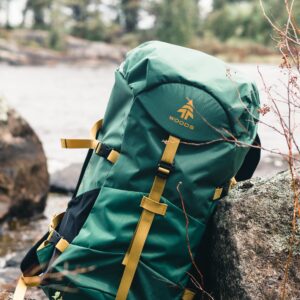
(218, 4)
(39, 9)
(87, 23)
(130, 14)
(56, 38)
(91, 29)
(244, 19)
(177, 20)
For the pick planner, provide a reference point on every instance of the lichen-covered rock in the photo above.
(24, 179)
(250, 242)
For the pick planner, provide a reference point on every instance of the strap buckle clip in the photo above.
(103, 150)
(164, 169)
(55, 237)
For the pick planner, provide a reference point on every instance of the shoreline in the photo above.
(22, 47)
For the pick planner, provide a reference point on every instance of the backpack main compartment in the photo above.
(161, 90)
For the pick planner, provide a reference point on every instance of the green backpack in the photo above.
(177, 129)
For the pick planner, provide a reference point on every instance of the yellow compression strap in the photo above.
(56, 219)
(188, 295)
(22, 285)
(96, 127)
(92, 143)
(219, 190)
(62, 245)
(25, 282)
(134, 252)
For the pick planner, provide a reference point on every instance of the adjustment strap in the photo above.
(92, 143)
(153, 206)
(55, 221)
(188, 295)
(62, 245)
(100, 148)
(134, 252)
(106, 151)
(79, 143)
(96, 127)
(22, 285)
(221, 192)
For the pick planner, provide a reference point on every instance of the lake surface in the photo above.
(64, 101)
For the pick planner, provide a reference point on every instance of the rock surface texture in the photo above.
(24, 179)
(249, 243)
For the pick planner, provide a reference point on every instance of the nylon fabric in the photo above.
(160, 90)
(145, 222)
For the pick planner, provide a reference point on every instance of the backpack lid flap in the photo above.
(187, 112)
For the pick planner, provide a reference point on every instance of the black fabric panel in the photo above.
(30, 264)
(76, 214)
(250, 163)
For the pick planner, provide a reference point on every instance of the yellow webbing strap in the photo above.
(153, 206)
(62, 245)
(25, 282)
(188, 295)
(92, 143)
(55, 221)
(96, 127)
(219, 190)
(218, 193)
(113, 156)
(79, 143)
(22, 285)
(132, 257)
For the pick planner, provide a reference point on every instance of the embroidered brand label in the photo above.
(186, 111)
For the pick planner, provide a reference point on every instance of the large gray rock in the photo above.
(24, 179)
(249, 245)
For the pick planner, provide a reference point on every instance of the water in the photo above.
(58, 102)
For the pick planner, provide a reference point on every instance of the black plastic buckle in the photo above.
(104, 150)
(164, 169)
(55, 237)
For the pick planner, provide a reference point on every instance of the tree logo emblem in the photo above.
(187, 110)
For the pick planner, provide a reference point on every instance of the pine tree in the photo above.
(177, 21)
(130, 14)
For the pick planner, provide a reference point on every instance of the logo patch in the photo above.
(187, 110)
